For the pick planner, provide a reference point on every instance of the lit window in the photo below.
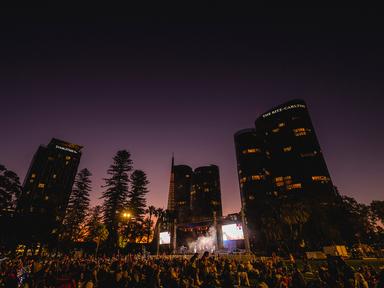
(66, 162)
(278, 179)
(287, 180)
(243, 180)
(250, 151)
(294, 186)
(257, 177)
(46, 197)
(275, 130)
(31, 181)
(206, 189)
(251, 197)
(67, 157)
(282, 124)
(187, 176)
(41, 185)
(287, 149)
(33, 175)
(320, 178)
(301, 131)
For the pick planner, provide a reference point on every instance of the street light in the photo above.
(126, 215)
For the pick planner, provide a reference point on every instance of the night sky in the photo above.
(157, 82)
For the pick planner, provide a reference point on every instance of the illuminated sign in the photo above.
(285, 108)
(66, 149)
(232, 232)
(165, 238)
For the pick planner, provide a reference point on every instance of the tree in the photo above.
(357, 221)
(151, 211)
(160, 214)
(78, 206)
(377, 208)
(137, 193)
(116, 194)
(10, 189)
(97, 231)
(294, 215)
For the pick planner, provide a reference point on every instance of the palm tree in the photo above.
(160, 213)
(151, 210)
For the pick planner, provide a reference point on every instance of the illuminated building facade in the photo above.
(194, 195)
(280, 157)
(206, 193)
(183, 179)
(254, 176)
(293, 152)
(195, 200)
(47, 187)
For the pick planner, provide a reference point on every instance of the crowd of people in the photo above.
(173, 272)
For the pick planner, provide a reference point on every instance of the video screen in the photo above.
(165, 238)
(232, 232)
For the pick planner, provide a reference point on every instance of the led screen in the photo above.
(232, 232)
(165, 237)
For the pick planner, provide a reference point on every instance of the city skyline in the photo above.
(162, 203)
(156, 88)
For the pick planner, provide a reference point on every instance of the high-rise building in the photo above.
(280, 158)
(47, 187)
(194, 195)
(253, 174)
(205, 193)
(183, 175)
(294, 155)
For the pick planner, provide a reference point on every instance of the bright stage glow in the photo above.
(165, 238)
(232, 232)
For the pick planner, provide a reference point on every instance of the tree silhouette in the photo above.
(78, 205)
(377, 208)
(137, 193)
(96, 230)
(10, 189)
(116, 194)
(151, 211)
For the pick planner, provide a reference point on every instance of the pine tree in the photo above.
(78, 205)
(136, 196)
(116, 194)
(10, 189)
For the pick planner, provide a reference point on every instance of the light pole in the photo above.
(126, 217)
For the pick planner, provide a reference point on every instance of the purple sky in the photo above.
(186, 85)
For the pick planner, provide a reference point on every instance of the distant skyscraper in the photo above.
(48, 185)
(279, 157)
(206, 193)
(171, 192)
(183, 175)
(194, 195)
